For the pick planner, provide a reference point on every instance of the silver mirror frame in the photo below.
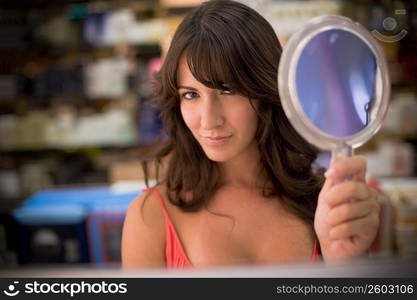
(288, 93)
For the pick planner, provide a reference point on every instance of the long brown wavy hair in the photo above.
(228, 42)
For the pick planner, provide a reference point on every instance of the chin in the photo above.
(218, 156)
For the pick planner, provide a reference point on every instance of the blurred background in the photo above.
(75, 122)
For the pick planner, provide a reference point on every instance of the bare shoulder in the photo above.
(143, 238)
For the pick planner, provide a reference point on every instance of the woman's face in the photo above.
(222, 121)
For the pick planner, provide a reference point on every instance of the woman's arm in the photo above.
(143, 238)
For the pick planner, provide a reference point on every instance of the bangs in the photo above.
(210, 60)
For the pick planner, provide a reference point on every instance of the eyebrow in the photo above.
(187, 88)
(194, 89)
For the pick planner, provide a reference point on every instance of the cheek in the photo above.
(189, 116)
(245, 118)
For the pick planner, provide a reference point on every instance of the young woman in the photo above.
(238, 185)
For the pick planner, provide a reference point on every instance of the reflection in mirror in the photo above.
(335, 82)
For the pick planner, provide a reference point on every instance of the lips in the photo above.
(217, 140)
(217, 137)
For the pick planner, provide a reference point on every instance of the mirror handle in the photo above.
(344, 150)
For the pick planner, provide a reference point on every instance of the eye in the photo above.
(189, 95)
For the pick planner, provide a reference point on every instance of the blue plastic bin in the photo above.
(72, 225)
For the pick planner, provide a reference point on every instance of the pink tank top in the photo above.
(174, 251)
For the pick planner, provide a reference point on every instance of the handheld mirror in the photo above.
(333, 83)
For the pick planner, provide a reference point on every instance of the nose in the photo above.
(211, 113)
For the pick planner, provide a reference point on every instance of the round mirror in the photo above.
(334, 85)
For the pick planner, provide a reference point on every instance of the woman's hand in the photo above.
(347, 216)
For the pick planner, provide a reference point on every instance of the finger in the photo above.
(345, 167)
(330, 180)
(347, 191)
(351, 211)
(340, 166)
(328, 183)
(362, 226)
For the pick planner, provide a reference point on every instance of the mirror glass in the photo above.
(335, 82)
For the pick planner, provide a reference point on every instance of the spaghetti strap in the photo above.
(174, 251)
(161, 201)
(316, 255)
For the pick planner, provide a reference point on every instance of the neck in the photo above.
(242, 171)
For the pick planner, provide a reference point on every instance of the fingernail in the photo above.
(329, 172)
